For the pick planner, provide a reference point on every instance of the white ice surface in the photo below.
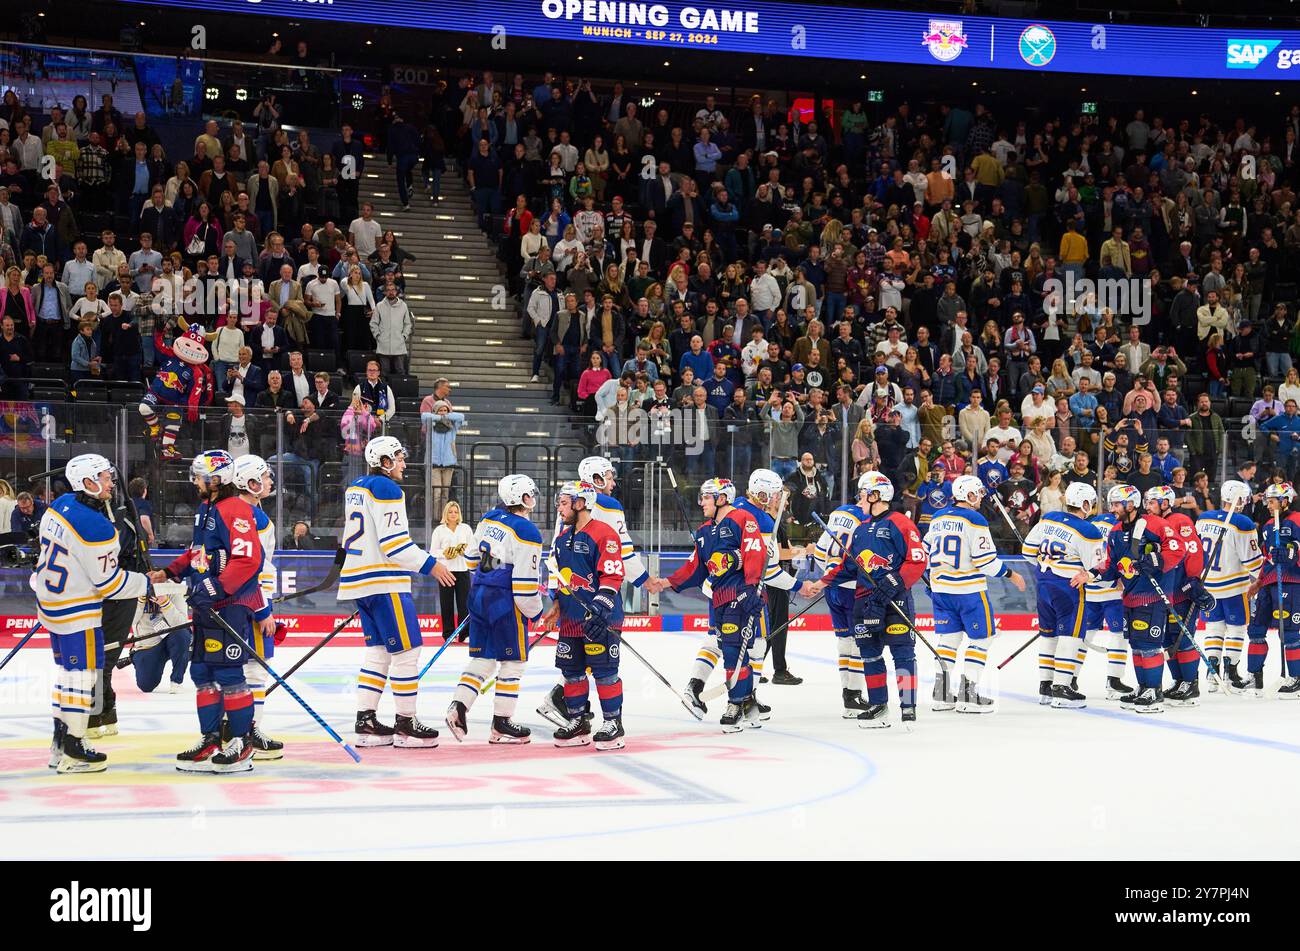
(1028, 781)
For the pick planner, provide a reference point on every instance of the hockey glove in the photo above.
(600, 609)
(1291, 553)
(1199, 595)
(281, 632)
(204, 591)
(889, 584)
(746, 598)
(1150, 563)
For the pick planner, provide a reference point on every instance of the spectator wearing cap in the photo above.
(238, 437)
(442, 424)
(1245, 353)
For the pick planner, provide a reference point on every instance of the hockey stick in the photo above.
(329, 581)
(447, 642)
(1277, 564)
(997, 502)
(636, 653)
(901, 613)
(1186, 633)
(356, 757)
(312, 653)
(1019, 650)
(1218, 549)
(19, 646)
(677, 497)
(714, 692)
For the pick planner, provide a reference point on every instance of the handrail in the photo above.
(128, 54)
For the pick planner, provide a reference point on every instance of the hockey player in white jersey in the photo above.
(78, 571)
(1231, 543)
(166, 610)
(831, 548)
(379, 558)
(1067, 548)
(600, 473)
(962, 559)
(505, 562)
(255, 482)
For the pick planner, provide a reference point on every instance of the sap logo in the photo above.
(1247, 54)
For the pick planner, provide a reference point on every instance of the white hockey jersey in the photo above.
(962, 556)
(1103, 590)
(1063, 544)
(78, 569)
(610, 511)
(169, 600)
(380, 554)
(507, 553)
(834, 542)
(774, 576)
(1234, 562)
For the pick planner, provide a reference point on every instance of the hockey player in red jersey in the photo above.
(1184, 662)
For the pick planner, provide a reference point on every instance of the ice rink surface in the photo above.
(1214, 781)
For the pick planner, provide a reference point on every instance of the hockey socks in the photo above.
(709, 656)
(576, 690)
(1046, 657)
(1147, 667)
(207, 699)
(1067, 660)
(947, 650)
(75, 700)
(507, 689)
(610, 691)
(744, 685)
(372, 678)
(255, 677)
(472, 680)
(974, 660)
(850, 663)
(404, 678)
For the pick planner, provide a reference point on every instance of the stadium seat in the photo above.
(322, 361)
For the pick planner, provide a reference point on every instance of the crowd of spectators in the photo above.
(899, 289)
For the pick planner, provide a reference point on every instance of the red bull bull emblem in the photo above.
(944, 40)
(578, 583)
(870, 562)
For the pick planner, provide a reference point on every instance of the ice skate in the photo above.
(553, 708)
(197, 758)
(944, 698)
(1116, 688)
(78, 757)
(1044, 692)
(410, 733)
(969, 699)
(504, 730)
(692, 697)
(1149, 700)
(1067, 698)
(908, 718)
(575, 733)
(1186, 694)
(1233, 679)
(56, 744)
(1215, 673)
(235, 757)
(610, 735)
(1290, 689)
(761, 710)
(455, 720)
(370, 732)
(853, 704)
(1254, 684)
(875, 717)
(264, 747)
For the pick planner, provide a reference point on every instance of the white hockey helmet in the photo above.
(1080, 495)
(595, 470)
(1159, 494)
(1283, 491)
(1124, 494)
(215, 465)
(248, 469)
(577, 490)
(86, 466)
(877, 482)
(964, 486)
(514, 488)
(1234, 492)
(382, 446)
(766, 482)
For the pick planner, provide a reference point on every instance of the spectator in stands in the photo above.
(442, 425)
(52, 305)
(323, 296)
(374, 389)
(391, 326)
(15, 357)
(26, 516)
(358, 426)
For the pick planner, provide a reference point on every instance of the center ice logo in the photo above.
(944, 40)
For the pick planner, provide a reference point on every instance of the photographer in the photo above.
(26, 516)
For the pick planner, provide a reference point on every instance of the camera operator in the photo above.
(26, 516)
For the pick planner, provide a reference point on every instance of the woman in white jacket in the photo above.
(391, 325)
(450, 540)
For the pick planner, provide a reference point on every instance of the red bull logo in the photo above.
(870, 562)
(170, 380)
(945, 40)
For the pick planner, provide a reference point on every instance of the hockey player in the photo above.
(962, 558)
(1282, 548)
(221, 567)
(599, 472)
(505, 561)
(1102, 606)
(1231, 544)
(1141, 553)
(1067, 548)
(588, 612)
(694, 574)
(1184, 661)
(379, 558)
(77, 572)
(888, 558)
(831, 549)
(254, 480)
(164, 609)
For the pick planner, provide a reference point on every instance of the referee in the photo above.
(778, 606)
